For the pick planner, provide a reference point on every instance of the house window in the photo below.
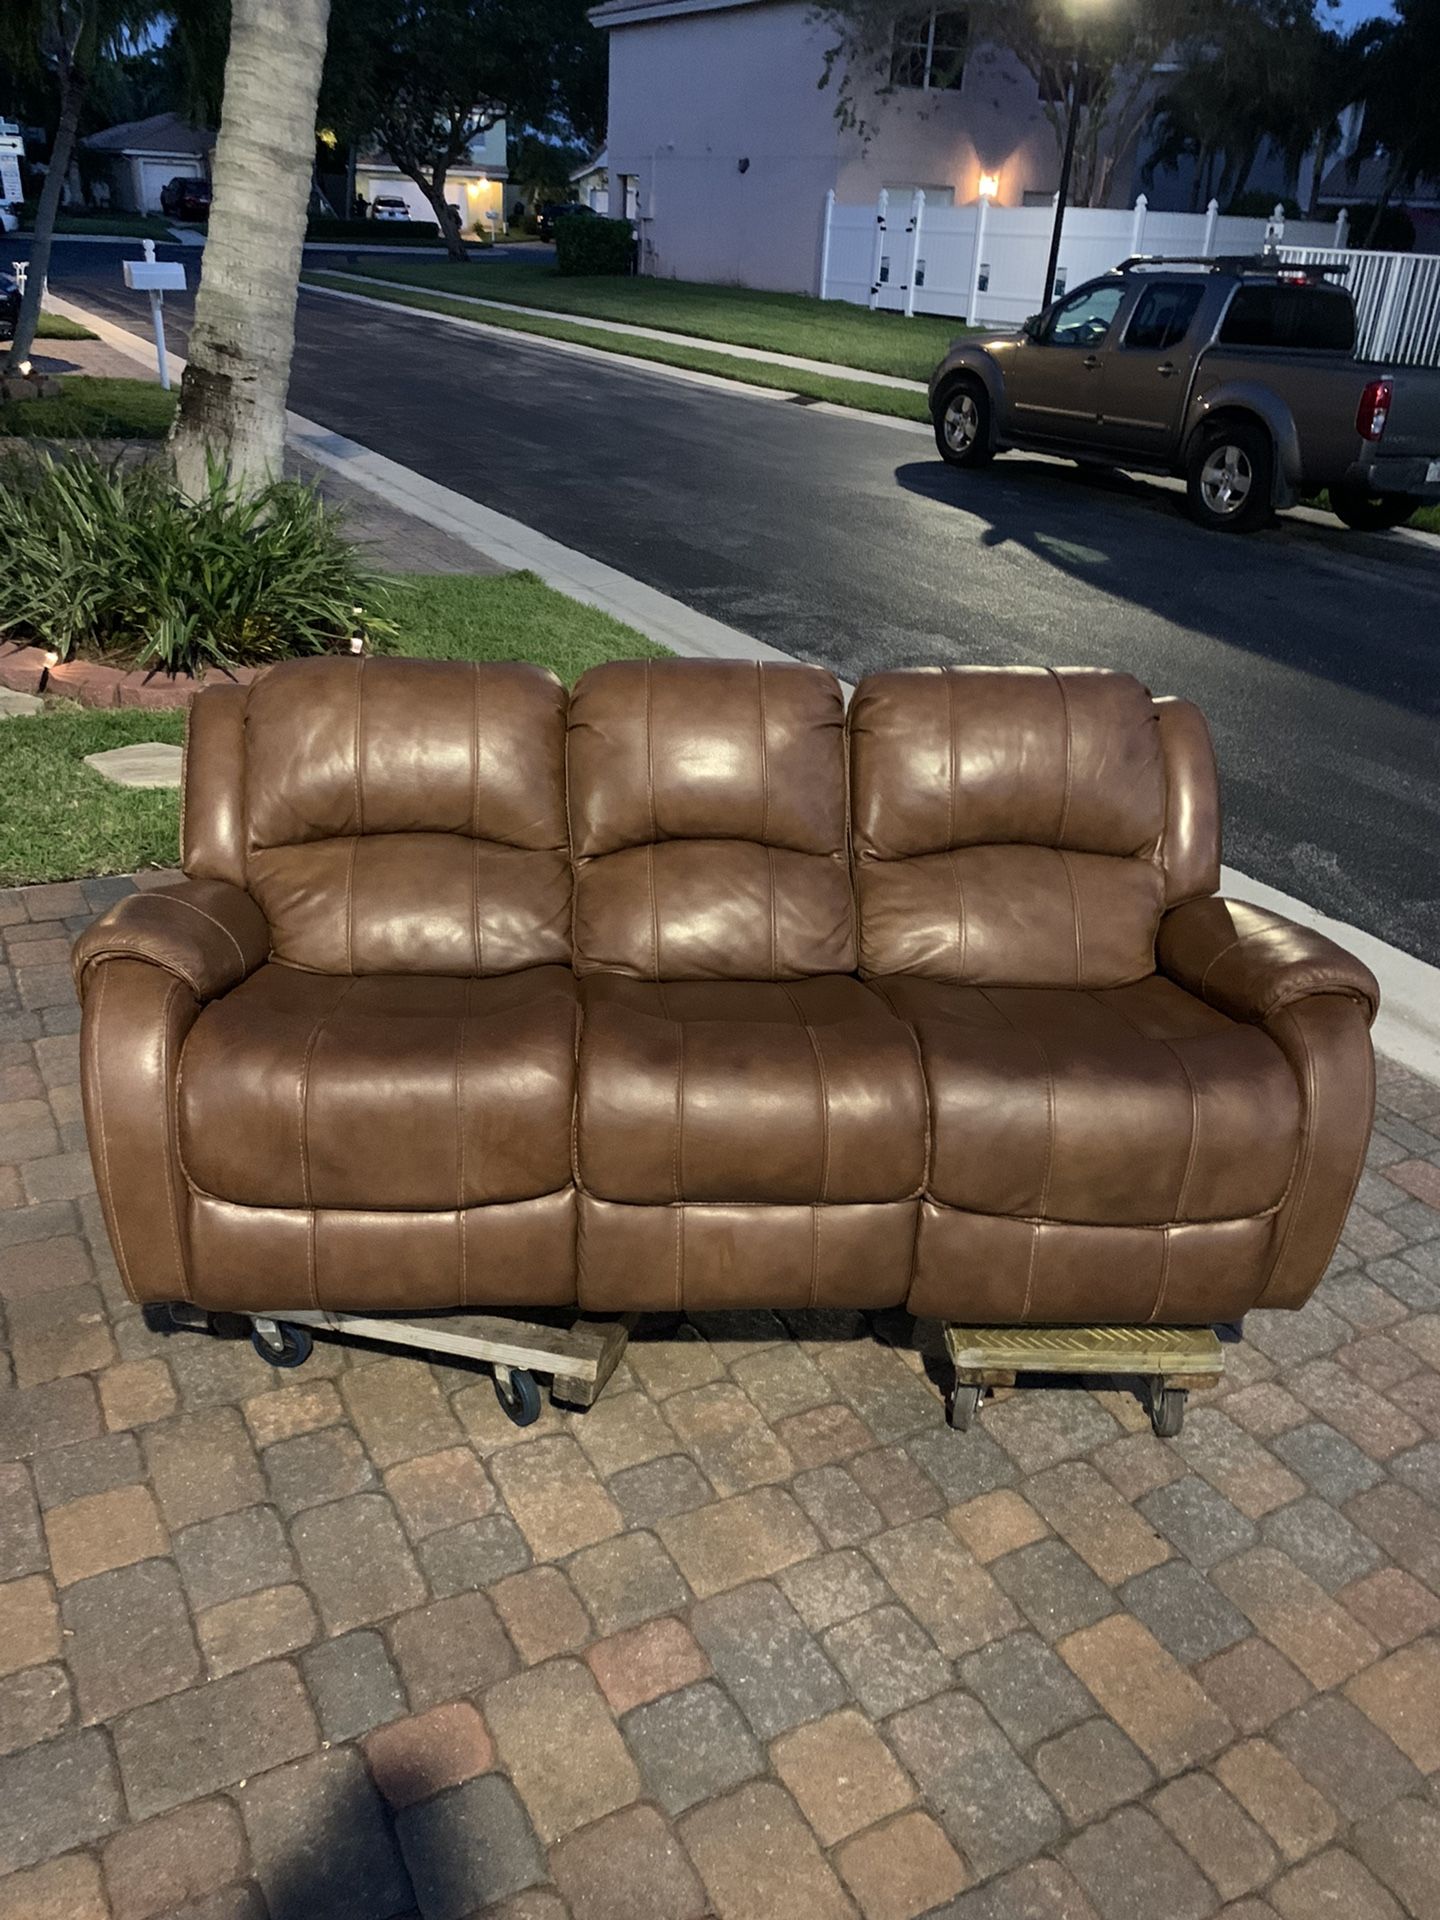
(929, 49)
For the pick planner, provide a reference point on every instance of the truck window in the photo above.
(1163, 315)
(1084, 319)
(1320, 319)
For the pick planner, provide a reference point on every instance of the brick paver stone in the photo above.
(783, 1381)
(1401, 1847)
(727, 1436)
(1053, 1588)
(1132, 1870)
(136, 1394)
(202, 1464)
(473, 1555)
(1040, 1428)
(626, 1580)
(1091, 1769)
(555, 1735)
(885, 1393)
(652, 1492)
(353, 1684)
(692, 1745)
(87, 1467)
(1026, 1687)
(554, 1497)
(128, 1638)
(1296, 1616)
(194, 1743)
(842, 1775)
(1202, 1523)
(995, 1524)
(1217, 1833)
(33, 1419)
(833, 1588)
(103, 1531)
(900, 1490)
(312, 1468)
(988, 1801)
(237, 1554)
(835, 1504)
(1278, 1797)
(186, 1855)
(67, 1889)
(1335, 1883)
(541, 1614)
(59, 1795)
(1401, 1695)
(1103, 1528)
(766, 1658)
(1357, 1768)
(321, 1842)
(1147, 1693)
(398, 1410)
(259, 1626)
(1392, 1604)
(1253, 1684)
(629, 1866)
(953, 1598)
(1184, 1612)
(1320, 1541)
(439, 1490)
(29, 1623)
(644, 1662)
(451, 1647)
(747, 1537)
(355, 1561)
(468, 1848)
(22, 1549)
(623, 1430)
(34, 1706)
(889, 1662)
(758, 1859)
(903, 1868)
(290, 1411)
(824, 1435)
(414, 1758)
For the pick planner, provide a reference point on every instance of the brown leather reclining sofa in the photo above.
(689, 990)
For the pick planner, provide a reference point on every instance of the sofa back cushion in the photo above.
(707, 821)
(1011, 825)
(391, 816)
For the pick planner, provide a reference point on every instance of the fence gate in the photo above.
(1397, 300)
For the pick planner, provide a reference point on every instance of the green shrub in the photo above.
(592, 244)
(112, 562)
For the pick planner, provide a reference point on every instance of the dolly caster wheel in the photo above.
(963, 1406)
(157, 1317)
(519, 1396)
(1167, 1410)
(282, 1345)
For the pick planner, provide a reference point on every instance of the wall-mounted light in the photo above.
(989, 186)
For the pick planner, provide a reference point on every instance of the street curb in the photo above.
(1407, 1028)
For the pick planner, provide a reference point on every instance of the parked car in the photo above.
(1237, 374)
(389, 206)
(9, 305)
(186, 198)
(549, 211)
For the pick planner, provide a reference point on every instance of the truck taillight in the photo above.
(1373, 410)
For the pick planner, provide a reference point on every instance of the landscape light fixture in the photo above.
(989, 186)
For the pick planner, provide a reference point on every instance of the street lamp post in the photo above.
(1063, 195)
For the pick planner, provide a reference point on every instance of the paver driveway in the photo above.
(758, 1637)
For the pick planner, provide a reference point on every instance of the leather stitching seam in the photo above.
(171, 1143)
(96, 1079)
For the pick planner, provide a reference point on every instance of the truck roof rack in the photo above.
(1268, 263)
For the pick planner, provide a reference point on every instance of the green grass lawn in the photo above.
(91, 408)
(54, 326)
(138, 226)
(831, 330)
(702, 359)
(61, 821)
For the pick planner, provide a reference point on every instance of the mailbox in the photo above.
(155, 276)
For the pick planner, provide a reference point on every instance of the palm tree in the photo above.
(232, 398)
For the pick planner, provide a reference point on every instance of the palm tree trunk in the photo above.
(232, 399)
(76, 63)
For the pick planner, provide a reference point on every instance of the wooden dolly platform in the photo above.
(1172, 1361)
(578, 1359)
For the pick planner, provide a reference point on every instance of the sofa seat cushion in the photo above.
(1134, 1105)
(743, 1091)
(406, 1091)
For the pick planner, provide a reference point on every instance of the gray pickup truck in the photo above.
(1239, 375)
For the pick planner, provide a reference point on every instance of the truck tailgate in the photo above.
(1413, 428)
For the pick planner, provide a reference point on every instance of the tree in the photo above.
(66, 41)
(426, 78)
(1101, 56)
(232, 398)
(1398, 71)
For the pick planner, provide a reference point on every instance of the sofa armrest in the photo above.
(206, 933)
(1250, 963)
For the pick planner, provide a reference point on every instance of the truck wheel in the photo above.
(1229, 477)
(962, 424)
(1372, 512)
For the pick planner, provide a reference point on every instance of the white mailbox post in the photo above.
(156, 277)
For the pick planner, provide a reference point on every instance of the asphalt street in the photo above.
(1315, 653)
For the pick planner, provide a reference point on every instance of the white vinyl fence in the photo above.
(1397, 300)
(987, 263)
